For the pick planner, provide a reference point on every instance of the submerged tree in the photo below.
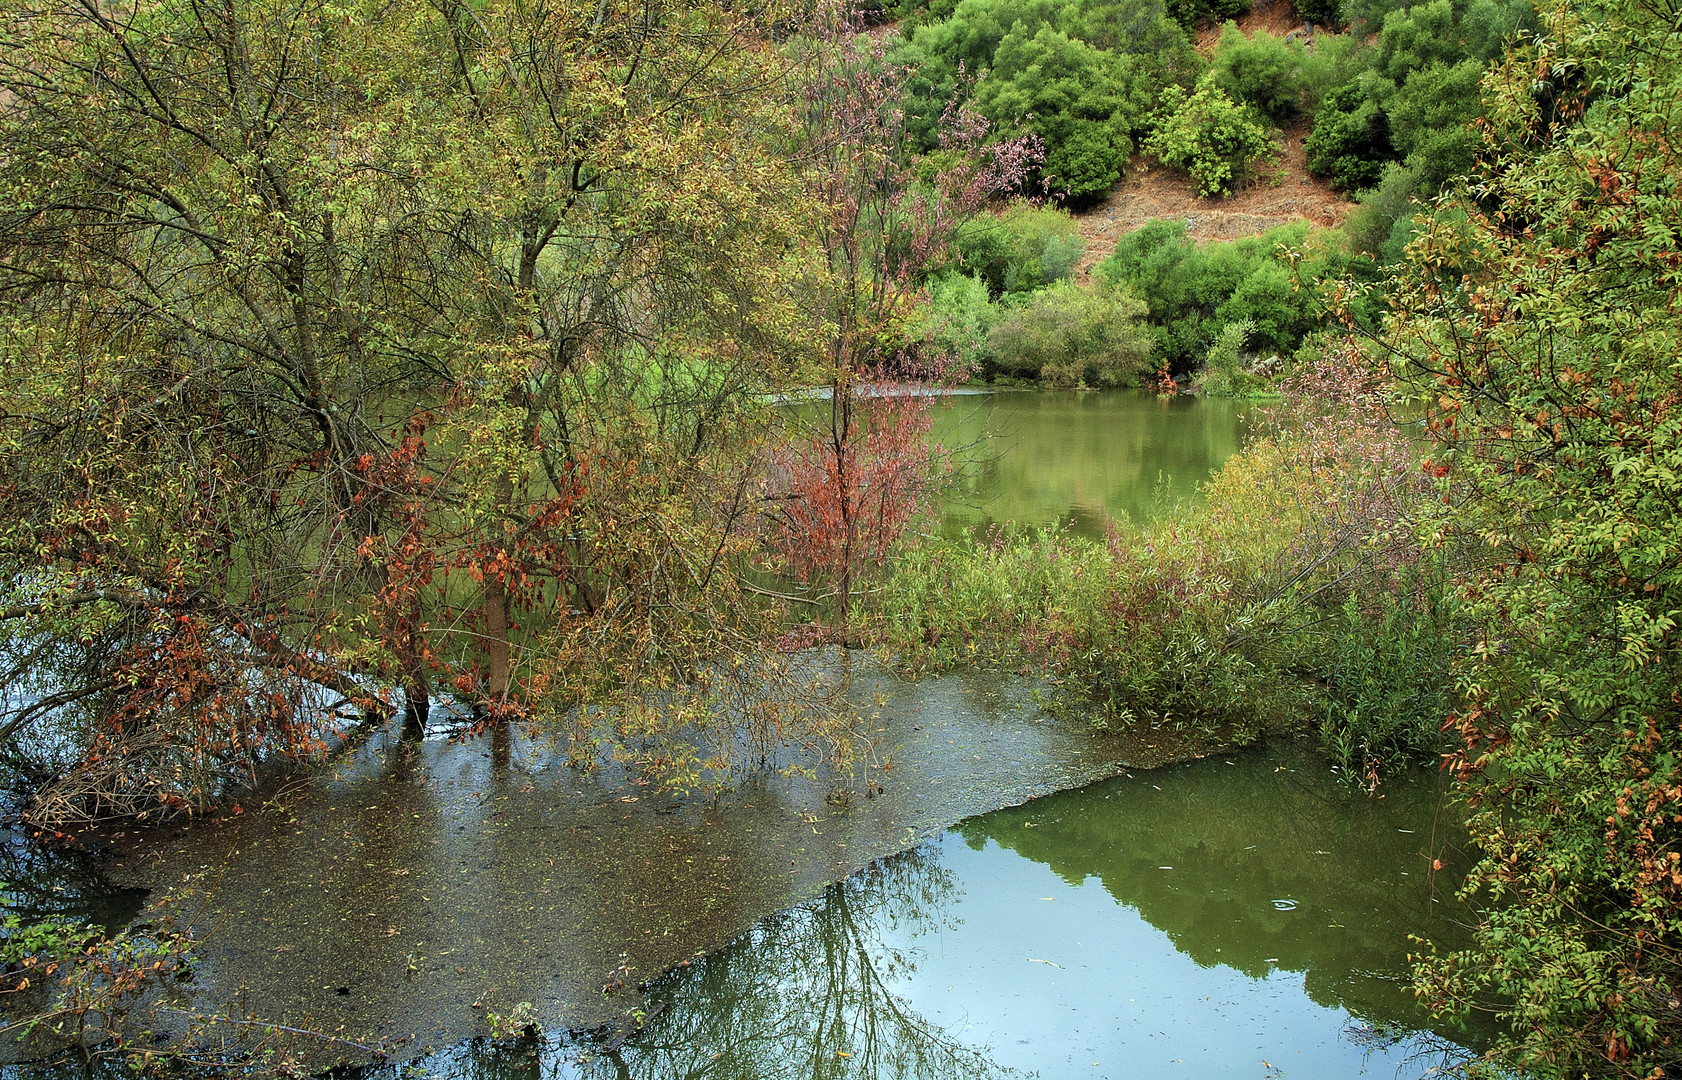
(339, 340)
(883, 225)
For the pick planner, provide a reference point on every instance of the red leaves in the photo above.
(851, 493)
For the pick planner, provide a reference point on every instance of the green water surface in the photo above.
(1079, 459)
(1245, 916)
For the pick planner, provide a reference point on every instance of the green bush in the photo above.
(1192, 292)
(1381, 225)
(1415, 38)
(1068, 336)
(1349, 145)
(1083, 102)
(1279, 79)
(1216, 140)
(1387, 677)
(1021, 249)
(957, 320)
(1224, 375)
(1430, 117)
(1193, 14)
(1082, 75)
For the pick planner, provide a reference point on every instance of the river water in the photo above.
(1242, 915)
(1079, 459)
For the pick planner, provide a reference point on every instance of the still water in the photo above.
(1079, 459)
(1242, 916)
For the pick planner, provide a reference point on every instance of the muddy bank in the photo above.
(421, 885)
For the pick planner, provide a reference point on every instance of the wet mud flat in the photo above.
(401, 897)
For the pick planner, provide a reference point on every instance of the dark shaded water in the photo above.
(1079, 459)
(1242, 916)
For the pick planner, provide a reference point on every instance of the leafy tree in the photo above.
(1080, 76)
(1535, 325)
(855, 481)
(1217, 141)
(1083, 103)
(341, 357)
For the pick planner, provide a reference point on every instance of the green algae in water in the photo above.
(1239, 916)
(1079, 460)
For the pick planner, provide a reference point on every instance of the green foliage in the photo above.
(1418, 97)
(1224, 375)
(1279, 79)
(1417, 37)
(1021, 249)
(1387, 679)
(1083, 102)
(1193, 14)
(1193, 292)
(957, 320)
(1488, 27)
(1066, 336)
(1082, 76)
(1382, 225)
(1216, 140)
(1534, 319)
(1430, 117)
(1350, 142)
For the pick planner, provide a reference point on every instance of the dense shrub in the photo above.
(1383, 223)
(1387, 676)
(1084, 103)
(1430, 121)
(1224, 374)
(1021, 249)
(1280, 79)
(1193, 14)
(1081, 75)
(1419, 95)
(1216, 140)
(1350, 141)
(1192, 292)
(1066, 336)
(956, 321)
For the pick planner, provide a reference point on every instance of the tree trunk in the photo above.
(497, 651)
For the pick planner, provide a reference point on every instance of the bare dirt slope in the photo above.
(1152, 191)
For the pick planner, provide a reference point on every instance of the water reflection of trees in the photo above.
(810, 993)
(1357, 873)
(39, 883)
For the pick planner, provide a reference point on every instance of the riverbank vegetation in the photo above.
(360, 361)
(1520, 585)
